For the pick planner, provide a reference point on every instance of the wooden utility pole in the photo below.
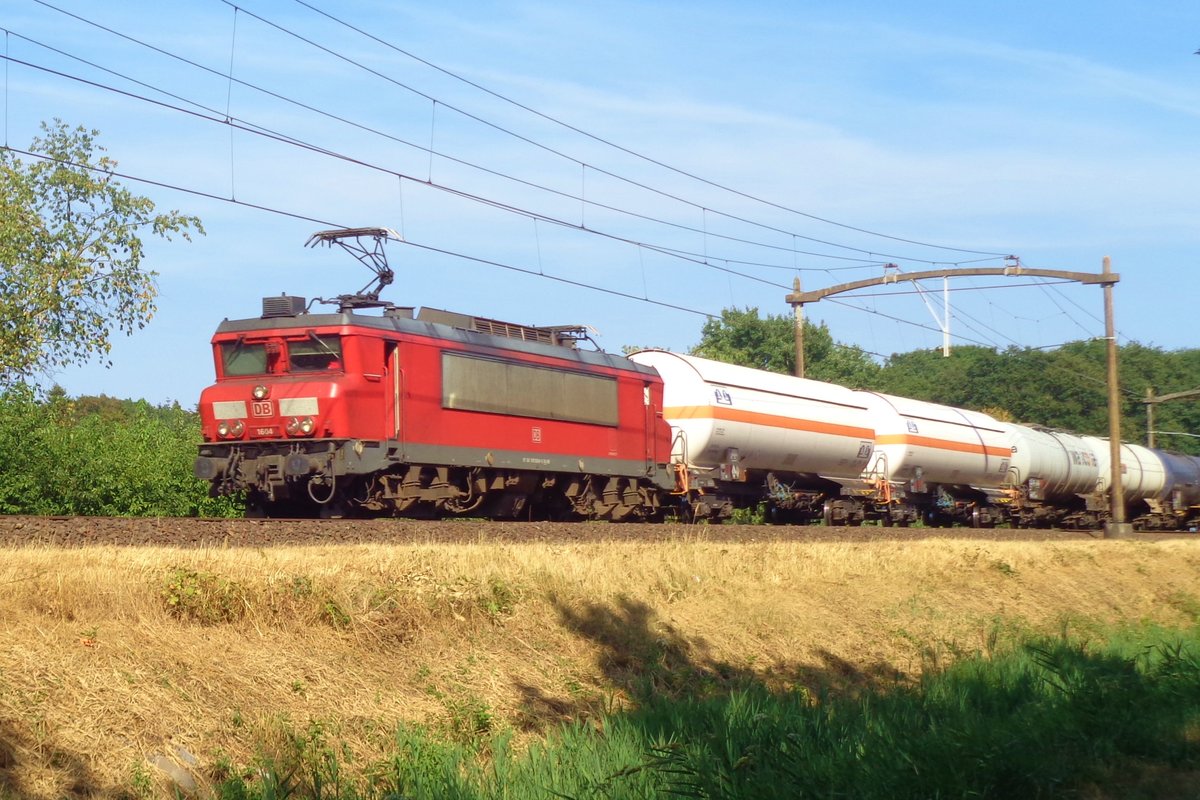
(798, 313)
(1117, 526)
(1149, 401)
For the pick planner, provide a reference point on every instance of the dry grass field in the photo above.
(121, 665)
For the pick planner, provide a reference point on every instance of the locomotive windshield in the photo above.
(315, 354)
(241, 359)
(311, 354)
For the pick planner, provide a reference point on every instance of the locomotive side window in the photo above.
(239, 358)
(502, 387)
(315, 354)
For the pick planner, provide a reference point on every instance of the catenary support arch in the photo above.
(1106, 279)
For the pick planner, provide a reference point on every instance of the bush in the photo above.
(98, 456)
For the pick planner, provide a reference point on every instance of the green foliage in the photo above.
(1050, 718)
(98, 456)
(499, 598)
(743, 337)
(756, 515)
(203, 597)
(71, 253)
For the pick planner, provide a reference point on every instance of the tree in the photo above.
(71, 254)
(741, 336)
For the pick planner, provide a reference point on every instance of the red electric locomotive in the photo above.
(335, 414)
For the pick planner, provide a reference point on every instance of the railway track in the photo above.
(19, 531)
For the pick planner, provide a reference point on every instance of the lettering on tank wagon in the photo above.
(722, 397)
(912, 426)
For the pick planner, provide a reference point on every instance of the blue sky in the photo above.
(1058, 132)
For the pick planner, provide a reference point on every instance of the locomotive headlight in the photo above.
(293, 426)
(228, 429)
(307, 425)
(261, 392)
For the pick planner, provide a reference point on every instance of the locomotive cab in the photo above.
(291, 389)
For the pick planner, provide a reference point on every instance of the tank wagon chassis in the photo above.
(805, 502)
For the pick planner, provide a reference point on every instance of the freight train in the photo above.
(436, 414)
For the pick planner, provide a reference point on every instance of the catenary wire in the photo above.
(667, 251)
(326, 223)
(533, 215)
(487, 170)
(293, 142)
(267, 133)
(626, 150)
(699, 206)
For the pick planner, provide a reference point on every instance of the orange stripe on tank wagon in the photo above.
(755, 418)
(943, 444)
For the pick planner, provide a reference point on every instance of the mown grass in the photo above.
(1050, 718)
(355, 671)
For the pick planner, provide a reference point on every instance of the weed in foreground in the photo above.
(203, 597)
(1048, 718)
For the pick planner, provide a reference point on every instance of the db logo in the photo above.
(262, 408)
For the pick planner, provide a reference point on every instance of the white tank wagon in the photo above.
(946, 464)
(811, 450)
(741, 431)
(1054, 478)
(1143, 475)
(1149, 479)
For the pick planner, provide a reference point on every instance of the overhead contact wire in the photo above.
(329, 51)
(329, 224)
(629, 151)
(267, 133)
(399, 140)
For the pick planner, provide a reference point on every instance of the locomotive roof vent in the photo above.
(285, 305)
(560, 335)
